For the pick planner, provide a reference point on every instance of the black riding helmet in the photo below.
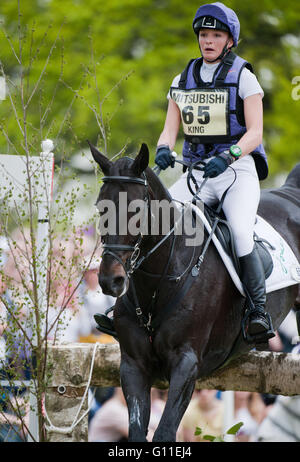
(209, 22)
(220, 17)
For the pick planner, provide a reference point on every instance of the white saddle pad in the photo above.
(286, 268)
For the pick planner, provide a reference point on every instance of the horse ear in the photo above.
(141, 161)
(101, 159)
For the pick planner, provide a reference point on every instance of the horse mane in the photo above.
(156, 184)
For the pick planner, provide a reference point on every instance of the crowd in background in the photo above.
(264, 417)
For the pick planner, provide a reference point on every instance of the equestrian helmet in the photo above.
(217, 16)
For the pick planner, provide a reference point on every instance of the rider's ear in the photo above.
(142, 160)
(101, 159)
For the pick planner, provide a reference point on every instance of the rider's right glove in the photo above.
(163, 157)
(218, 165)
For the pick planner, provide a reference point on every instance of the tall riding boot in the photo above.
(253, 279)
(106, 324)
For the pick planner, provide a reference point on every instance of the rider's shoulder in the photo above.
(175, 81)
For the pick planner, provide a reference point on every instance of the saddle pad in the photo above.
(286, 268)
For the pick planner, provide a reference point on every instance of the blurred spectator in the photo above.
(15, 335)
(14, 418)
(68, 319)
(288, 332)
(282, 424)
(4, 251)
(110, 422)
(98, 396)
(158, 402)
(250, 409)
(19, 337)
(93, 298)
(73, 322)
(109, 417)
(242, 414)
(205, 411)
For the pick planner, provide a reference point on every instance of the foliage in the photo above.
(98, 70)
(42, 265)
(219, 439)
(151, 41)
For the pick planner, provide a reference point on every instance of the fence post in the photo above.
(66, 400)
(62, 404)
(262, 372)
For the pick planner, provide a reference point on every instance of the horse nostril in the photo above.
(118, 281)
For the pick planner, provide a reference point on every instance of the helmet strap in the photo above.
(221, 56)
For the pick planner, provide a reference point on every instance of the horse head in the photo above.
(124, 181)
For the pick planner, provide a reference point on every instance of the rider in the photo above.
(219, 102)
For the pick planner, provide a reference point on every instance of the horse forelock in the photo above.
(122, 166)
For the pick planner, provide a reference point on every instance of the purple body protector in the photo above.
(193, 148)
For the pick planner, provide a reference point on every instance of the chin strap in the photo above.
(221, 56)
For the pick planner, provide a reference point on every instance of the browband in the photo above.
(125, 179)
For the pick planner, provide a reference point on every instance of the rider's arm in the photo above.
(171, 127)
(253, 111)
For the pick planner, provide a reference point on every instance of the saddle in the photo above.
(224, 234)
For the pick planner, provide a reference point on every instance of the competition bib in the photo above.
(204, 112)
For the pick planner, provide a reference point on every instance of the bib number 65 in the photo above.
(203, 115)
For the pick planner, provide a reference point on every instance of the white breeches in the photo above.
(241, 201)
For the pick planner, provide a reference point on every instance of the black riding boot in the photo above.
(106, 324)
(253, 278)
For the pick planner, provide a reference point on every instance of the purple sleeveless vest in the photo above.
(227, 75)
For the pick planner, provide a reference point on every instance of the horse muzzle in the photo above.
(114, 284)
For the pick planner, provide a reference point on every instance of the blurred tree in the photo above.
(138, 47)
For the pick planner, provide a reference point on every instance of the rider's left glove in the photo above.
(218, 165)
(164, 157)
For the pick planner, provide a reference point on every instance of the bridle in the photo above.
(133, 262)
(111, 249)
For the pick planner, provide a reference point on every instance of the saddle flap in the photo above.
(225, 237)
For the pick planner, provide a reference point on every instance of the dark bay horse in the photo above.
(200, 332)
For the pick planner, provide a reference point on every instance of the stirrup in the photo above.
(260, 338)
(105, 325)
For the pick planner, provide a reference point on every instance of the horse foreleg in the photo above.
(136, 388)
(182, 384)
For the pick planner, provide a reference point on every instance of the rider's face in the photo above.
(212, 42)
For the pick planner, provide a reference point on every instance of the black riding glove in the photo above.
(218, 165)
(163, 157)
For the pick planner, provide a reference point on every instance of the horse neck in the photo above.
(160, 258)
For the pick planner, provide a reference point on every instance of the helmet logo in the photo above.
(209, 21)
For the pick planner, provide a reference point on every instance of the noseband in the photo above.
(111, 249)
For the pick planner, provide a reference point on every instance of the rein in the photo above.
(133, 262)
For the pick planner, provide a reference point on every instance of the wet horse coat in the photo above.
(203, 329)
